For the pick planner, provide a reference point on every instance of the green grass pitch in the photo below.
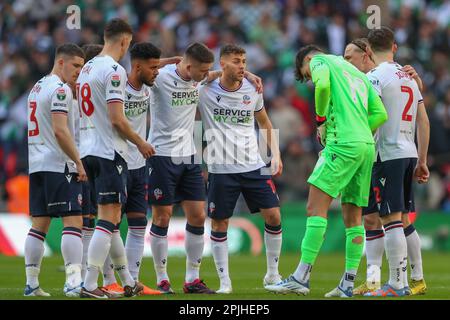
(246, 273)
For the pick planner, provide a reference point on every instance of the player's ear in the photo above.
(394, 48)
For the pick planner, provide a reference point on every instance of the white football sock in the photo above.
(34, 252)
(97, 253)
(396, 252)
(159, 245)
(414, 252)
(219, 248)
(272, 241)
(194, 245)
(134, 247)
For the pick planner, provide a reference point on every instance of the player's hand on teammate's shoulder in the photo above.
(82, 176)
(276, 166)
(421, 173)
(146, 149)
(255, 81)
(410, 70)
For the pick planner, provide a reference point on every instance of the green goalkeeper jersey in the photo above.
(345, 97)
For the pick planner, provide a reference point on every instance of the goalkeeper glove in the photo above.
(321, 130)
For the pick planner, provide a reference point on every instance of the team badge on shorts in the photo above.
(80, 199)
(212, 207)
(158, 193)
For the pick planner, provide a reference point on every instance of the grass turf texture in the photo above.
(246, 272)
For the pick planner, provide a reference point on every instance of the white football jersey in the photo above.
(228, 117)
(101, 81)
(48, 96)
(173, 106)
(76, 122)
(136, 105)
(401, 96)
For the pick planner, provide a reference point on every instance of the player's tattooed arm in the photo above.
(421, 172)
(165, 61)
(212, 75)
(412, 72)
(255, 81)
(66, 142)
(265, 125)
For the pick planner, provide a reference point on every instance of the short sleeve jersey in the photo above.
(401, 97)
(136, 105)
(229, 121)
(101, 81)
(173, 106)
(48, 96)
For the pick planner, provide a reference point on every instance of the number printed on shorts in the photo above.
(84, 99)
(35, 131)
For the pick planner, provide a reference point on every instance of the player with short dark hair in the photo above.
(229, 106)
(104, 130)
(55, 170)
(349, 110)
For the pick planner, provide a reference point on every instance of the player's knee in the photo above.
(219, 225)
(196, 218)
(273, 217)
(161, 215)
(372, 222)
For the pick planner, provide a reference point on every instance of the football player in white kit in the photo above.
(398, 163)
(55, 171)
(229, 106)
(357, 52)
(103, 133)
(173, 175)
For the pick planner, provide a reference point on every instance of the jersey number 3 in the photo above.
(84, 99)
(35, 131)
(405, 115)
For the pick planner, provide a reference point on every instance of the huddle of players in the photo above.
(349, 109)
(110, 109)
(100, 88)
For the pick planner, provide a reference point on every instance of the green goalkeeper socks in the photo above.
(353, 247)
(313, 239)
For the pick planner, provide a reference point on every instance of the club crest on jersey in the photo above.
(218, 98)
(80, 199)
(158, 193)
(246, 99)
(61, 94)
(115, 80)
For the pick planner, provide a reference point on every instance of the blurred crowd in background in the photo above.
(271, 31)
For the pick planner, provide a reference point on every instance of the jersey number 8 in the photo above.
(84, 99)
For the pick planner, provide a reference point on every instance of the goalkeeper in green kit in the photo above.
(348, 113)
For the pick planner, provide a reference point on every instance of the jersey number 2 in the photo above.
(405, 115)
(84, 99)
(35, 131)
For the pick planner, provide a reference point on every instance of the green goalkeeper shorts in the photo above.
(345, 169)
